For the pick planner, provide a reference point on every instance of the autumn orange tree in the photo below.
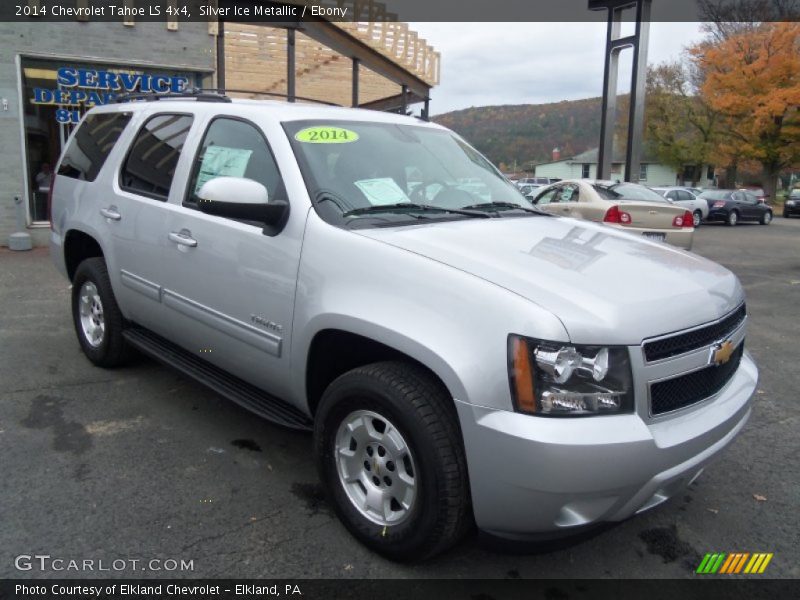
(752, 79)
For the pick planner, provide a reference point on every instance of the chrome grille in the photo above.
(688, 389)
(681, 343)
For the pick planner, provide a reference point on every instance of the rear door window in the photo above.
(92, 143)
(153, 156)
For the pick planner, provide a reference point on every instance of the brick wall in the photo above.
(190, 47)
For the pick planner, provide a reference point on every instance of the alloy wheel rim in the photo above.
(696, 220)
(767, 218)
(376, 468)
(732, 219)
(90, 309)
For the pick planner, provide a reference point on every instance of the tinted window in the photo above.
(154, 154)
(684, 195)
(233, 148)
(716, 195)
(91, 145)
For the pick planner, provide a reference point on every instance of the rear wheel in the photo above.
(96, 316)
(697, 218)
(733, 218)
(390, 456)
(766, 218)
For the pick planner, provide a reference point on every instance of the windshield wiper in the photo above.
(489, 205)
(412, 206)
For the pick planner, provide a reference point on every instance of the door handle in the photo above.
(111, 213)
(183, 238)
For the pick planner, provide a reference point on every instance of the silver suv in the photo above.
(460, 356)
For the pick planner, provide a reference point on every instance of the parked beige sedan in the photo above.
(629, 206)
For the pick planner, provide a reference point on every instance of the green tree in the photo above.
(681, 127)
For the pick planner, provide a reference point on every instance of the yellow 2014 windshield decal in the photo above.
(325, 135)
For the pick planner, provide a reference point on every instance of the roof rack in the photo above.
(194, 93)
(270, 94)
(209, 95)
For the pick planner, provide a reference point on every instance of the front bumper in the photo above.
(531, 476)
(791, 210)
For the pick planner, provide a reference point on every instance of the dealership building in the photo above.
(52, 72)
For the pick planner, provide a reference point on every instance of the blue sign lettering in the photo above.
(88, 80)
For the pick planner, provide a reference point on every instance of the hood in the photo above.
(606, 286)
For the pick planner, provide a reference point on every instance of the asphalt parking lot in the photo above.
(141, 463)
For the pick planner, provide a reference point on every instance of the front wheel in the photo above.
(766, 218)
(697, 218)
(390, 456)
(733, 218)
(96, 316)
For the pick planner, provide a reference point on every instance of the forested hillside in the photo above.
(528, 133)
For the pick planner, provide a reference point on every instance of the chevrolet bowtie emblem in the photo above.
(721, 352)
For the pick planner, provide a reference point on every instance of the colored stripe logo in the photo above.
(734, 563)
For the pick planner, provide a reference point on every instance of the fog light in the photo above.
(558, 364)
(562, 401)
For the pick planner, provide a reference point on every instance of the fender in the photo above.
(453, 322)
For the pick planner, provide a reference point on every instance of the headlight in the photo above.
(559, 379)
(790, 203)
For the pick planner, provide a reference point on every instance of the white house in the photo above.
(651, 173)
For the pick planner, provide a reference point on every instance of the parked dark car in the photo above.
(792, 205)
(732, 206)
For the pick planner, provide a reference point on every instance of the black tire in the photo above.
(732, 219)
(422, 411)
(766, 218)
(698, 218)
(112, 351)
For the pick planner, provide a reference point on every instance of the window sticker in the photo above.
(219, 161)
(382, 191)
(325, 134)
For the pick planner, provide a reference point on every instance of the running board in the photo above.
(225, 384)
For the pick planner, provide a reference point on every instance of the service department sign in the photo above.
(79, 89)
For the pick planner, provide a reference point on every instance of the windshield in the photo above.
(387, 174)
(628, 191)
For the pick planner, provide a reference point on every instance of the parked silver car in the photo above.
(687, 199)
(460, 356)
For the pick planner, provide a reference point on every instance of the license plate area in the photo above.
(653, 235)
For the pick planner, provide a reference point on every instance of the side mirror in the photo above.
(240, 198)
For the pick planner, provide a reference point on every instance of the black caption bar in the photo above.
(381, 10)
(396, 589)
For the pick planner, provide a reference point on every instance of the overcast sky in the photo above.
(521, 63)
